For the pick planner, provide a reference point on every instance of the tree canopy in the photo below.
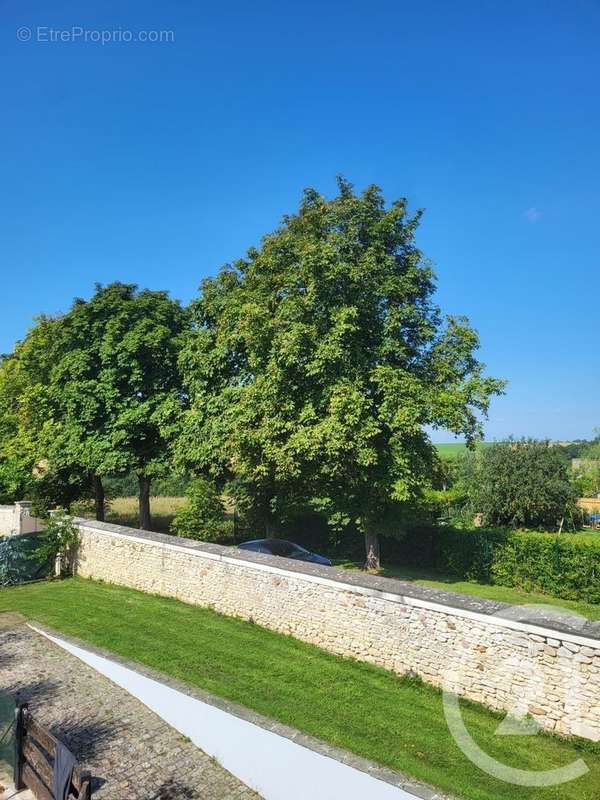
(98, 390)
(522, 483)
(28, 421)
(587, 476)
(318, 362)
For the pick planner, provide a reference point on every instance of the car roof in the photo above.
(270, 541)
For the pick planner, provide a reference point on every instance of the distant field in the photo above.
(124, 511)
(452, 449)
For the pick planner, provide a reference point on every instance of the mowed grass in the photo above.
(396, 722)
(501, 594)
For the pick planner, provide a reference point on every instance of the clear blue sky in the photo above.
(157, 162)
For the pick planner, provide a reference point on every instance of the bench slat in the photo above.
(36, 740)
(40, 734)
(38, 761)
(31, 780)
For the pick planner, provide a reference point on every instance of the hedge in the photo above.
(563, 565)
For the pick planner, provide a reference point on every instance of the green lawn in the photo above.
(503, 594)
(394, 721)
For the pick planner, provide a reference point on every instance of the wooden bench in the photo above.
(35, 753)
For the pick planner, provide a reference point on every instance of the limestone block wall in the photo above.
(525, 661)
(17, 519)
(7, 517)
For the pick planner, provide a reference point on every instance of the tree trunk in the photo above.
(98, 497)
(144, 502)
(372, 551)
(270, 522)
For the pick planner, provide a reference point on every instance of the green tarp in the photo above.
(7, 733)
(17, 561)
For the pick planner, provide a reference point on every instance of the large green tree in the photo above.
(28, 426)
(120, 385)
(318, 362)
(108, 393)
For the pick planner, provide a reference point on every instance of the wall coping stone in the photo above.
(530, 619)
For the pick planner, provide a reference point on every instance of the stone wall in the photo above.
(17, 519)
(520, 660)
(7, 516)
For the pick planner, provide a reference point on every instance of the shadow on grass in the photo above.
(400, 573)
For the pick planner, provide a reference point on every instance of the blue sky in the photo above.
(157, 162)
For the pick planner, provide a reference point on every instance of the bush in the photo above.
(587, 480)
(203, 516)
(60, 535)
(563, 565)
(521, 484)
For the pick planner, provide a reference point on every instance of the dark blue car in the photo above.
(279, 547)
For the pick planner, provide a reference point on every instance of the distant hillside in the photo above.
(453, 449)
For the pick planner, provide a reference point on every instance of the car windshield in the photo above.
(280, 547)
(298, 552)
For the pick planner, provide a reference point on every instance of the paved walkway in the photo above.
(132, 753)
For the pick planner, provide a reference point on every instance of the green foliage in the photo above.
(591, 449)
(93, 392)
(564, 565)
(519, 483)
(116, 383)
(203, 516)
(60, 535)
(13, 480)
(57, 486)
(170, 485)
(317, 361)
(576, 449)
(587, 479)
(25, 412)
(126, 485)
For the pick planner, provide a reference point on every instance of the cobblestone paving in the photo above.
(132, 753)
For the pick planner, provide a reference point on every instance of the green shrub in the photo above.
(60, 535)
(203, 516)
(563, 565)
(519, 483)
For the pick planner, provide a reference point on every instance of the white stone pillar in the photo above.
(22, 510)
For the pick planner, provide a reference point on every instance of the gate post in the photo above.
(20, 712)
